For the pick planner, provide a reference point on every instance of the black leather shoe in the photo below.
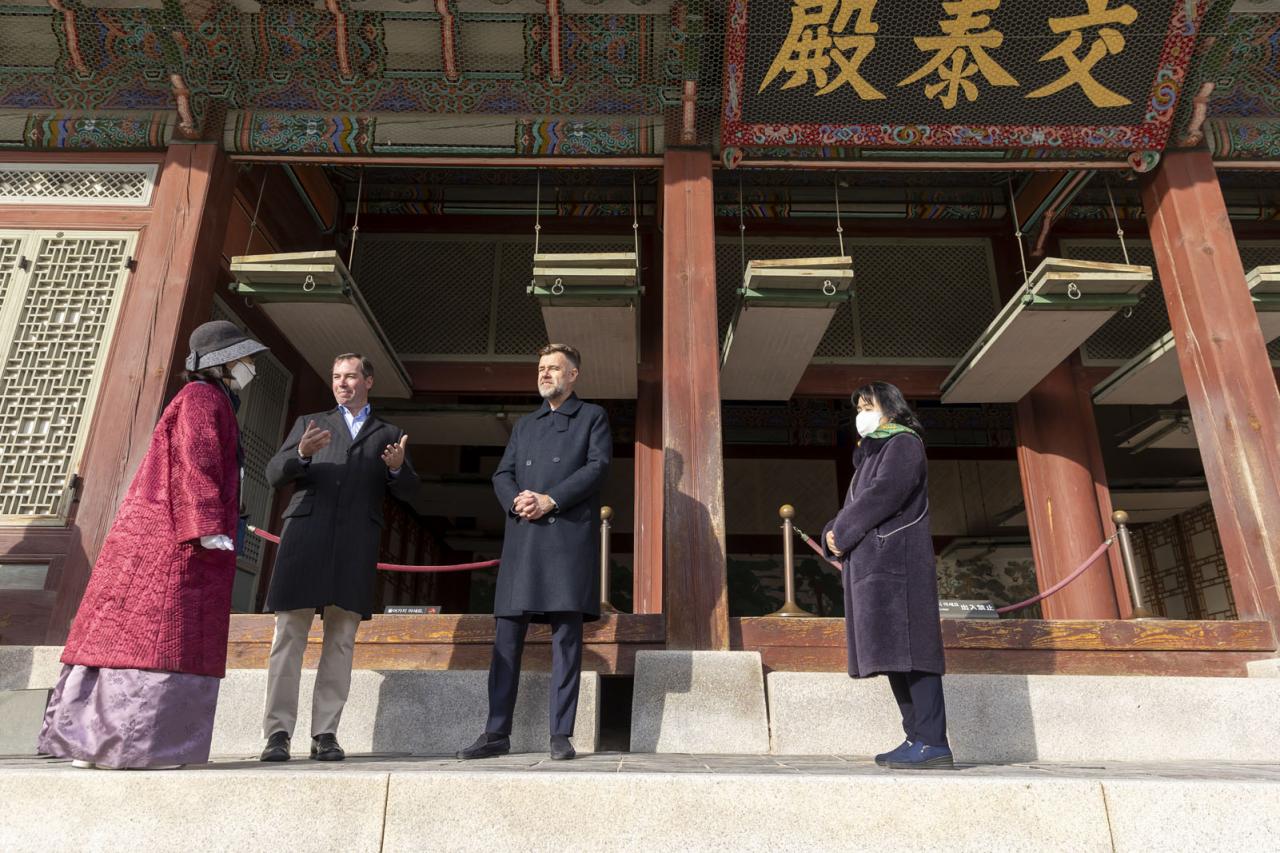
(277, 748)
(561, 749)
(325, 748)
(487, 745)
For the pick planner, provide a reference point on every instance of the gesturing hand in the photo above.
(831, 544)
(314, 439)
(393, 454)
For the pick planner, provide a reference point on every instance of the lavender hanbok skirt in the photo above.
(136, 718)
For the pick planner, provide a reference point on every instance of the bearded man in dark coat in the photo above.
(341, 464)
(548, 484)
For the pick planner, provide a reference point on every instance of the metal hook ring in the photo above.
(309, 284)
(1073, 291)
(557, 287)
(828, 289)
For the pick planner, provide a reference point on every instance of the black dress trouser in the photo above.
(566, 671)
(924, 714)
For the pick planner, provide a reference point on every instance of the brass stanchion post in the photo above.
(606, 517)
(1121, 519)
(789, 606)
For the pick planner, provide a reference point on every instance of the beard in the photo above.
(549, 391)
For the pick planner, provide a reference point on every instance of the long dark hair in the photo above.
(890, 402)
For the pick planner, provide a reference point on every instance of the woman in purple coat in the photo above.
(890, 577)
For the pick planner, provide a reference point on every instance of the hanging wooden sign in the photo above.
(1075, 74)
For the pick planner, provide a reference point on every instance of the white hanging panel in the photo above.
(1154, 377)
(606, 336)
(778, 324)
(313, 300)
(1264, 283)
(766, 351)
(56, 334)
(321, 330)
(1026, 341)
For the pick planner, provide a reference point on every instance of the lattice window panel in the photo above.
(55, 329)
(1121, 338)
(518, 325)
(914, 300)
(918, 300)
(263, 408)
(1208, 565)
(1184, 572)
(10, 251)
(34, 183)
(469, 298)
(446, 305)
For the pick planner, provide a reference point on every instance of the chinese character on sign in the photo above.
(967, 38)
(1108, 42)
(820, 37)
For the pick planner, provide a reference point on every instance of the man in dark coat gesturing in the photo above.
(341, 463)
(548, 483)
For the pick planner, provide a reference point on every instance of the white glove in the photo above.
(217, 543)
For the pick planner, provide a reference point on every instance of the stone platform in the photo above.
(611, 801)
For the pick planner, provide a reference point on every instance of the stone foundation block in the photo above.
(1015, 718)
(699, 702)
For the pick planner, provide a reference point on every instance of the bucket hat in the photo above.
(219, 342)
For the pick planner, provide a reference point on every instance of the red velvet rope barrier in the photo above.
(1057, 587)
(396, 567)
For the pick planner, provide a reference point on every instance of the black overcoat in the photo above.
(890, 573)
(333, 524)
(552, 564)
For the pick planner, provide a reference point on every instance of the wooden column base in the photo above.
(1031, 646)
(1011, 646)
(454, 641)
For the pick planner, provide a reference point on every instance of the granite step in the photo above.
(617, 802)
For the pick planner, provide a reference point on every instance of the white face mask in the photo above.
(241, 375)
(867, 422)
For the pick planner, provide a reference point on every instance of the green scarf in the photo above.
(891, 429)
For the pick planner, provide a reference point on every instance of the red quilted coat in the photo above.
(157, 600)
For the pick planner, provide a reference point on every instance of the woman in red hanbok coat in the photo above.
(148, 646)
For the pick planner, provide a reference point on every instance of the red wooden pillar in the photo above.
(1064, 490)
(693, 500)
(646, 555)
(1231, 388)
(171, 291)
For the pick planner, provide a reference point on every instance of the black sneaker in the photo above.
(325, 748)
(277, 748)
(487, 745)
(561, 749)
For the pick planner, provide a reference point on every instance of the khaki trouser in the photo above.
(333, 675)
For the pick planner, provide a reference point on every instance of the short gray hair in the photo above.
(575, 357)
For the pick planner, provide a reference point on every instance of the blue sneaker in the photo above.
(921, 756)
(892, 755)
